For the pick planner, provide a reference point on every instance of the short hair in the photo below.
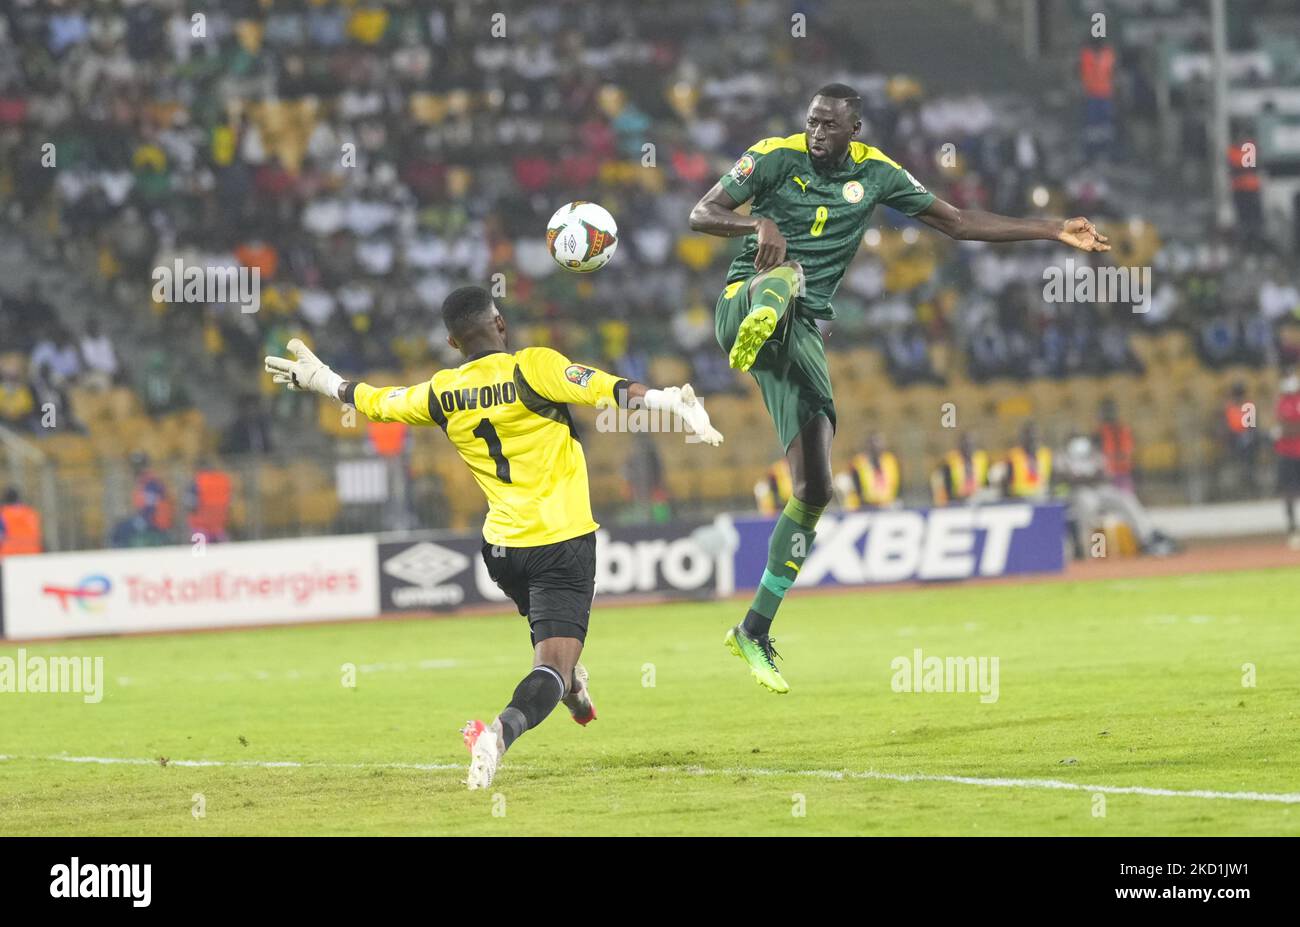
(842, 92)
(465, 309)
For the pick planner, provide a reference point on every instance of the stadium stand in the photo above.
(368, 158)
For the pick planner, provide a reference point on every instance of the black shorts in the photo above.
(552, 585)
(1288, 476)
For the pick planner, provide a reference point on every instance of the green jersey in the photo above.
(822, 216)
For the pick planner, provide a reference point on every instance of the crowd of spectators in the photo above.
(369, 158)
(41, 359)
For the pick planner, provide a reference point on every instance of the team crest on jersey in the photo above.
(853, 191)
(742, 169)
(578, 374)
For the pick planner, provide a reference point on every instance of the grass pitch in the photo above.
(1104, 687)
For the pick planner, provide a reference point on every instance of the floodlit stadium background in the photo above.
(368, 158)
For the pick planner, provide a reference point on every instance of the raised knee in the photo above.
(792, 271)
(789, 271)
(815, 491)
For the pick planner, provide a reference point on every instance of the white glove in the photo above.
(681, 401)
(306, 372)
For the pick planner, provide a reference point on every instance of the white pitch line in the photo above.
(245, 764)
(1284, 798)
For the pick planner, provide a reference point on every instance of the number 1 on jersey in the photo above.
(485, 431)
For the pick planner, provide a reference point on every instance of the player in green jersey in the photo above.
(812, 195)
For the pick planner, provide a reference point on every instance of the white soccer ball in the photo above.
(582, 236)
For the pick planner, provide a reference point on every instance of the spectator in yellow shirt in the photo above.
(873, 478)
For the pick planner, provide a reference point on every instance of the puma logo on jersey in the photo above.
(803, 185)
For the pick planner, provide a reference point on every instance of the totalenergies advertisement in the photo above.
(213, 585)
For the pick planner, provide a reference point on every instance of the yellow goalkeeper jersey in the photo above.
(508, 418)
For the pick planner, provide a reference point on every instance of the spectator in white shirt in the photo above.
(58, 352)
(101, 360)
(1278, 297)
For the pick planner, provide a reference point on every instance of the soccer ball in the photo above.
(581, 236)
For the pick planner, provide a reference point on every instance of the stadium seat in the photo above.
(1016, 406)
(670, 370)
(716, 483)
(191, 443)
(607, 489)
(88, 405)
(114, 440)
(69, 451)
(1147, 349)
(1157, 456)
(336, 422)
(154, 441)
(273, 490)
(123, 403)
(317, 508)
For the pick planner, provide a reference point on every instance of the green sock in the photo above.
(775, 291)
(792, 540)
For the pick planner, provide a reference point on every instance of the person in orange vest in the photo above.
(1097, 75)
(1097, 71)
(1115, 439)
(1028, 469)
(1245, 183)
(20, 526)
(774, 490)
(963, 473)
(873, 479)
(388, 439)
(209, 500)
(1241, 439)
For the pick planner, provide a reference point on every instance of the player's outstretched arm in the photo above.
(682, 402)
(305, 372)
(977, 225)
(715, 214)
(553, 376)
(308, 373)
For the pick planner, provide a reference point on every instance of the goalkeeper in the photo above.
(507, 415)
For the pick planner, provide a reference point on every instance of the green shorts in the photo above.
(791, 368)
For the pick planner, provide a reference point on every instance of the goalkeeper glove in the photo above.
(682, 402)
(306, 372)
